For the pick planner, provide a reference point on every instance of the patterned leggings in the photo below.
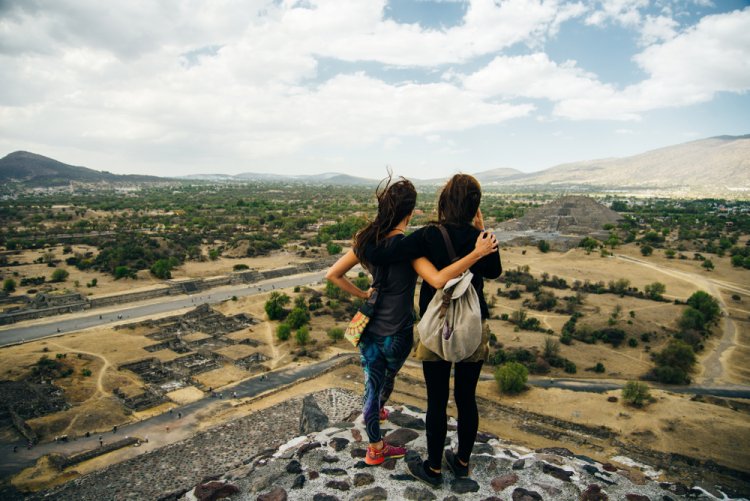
(381, 358)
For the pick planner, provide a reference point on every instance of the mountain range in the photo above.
(719, 164)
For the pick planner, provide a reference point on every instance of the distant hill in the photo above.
(500, 175)
(716, 164)
(719, 162)
(37, 170)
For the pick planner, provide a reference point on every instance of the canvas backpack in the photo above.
(451, 326)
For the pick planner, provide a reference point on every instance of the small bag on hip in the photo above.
(360, 319)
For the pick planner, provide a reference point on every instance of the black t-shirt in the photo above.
(428, 242)
(395, 283)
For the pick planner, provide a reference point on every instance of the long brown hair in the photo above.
(459, 200)
(395, 202)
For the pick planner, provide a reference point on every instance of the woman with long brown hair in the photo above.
(388, 339)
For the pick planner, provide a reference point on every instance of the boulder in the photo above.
(312, 419)
(520, 494)
(211, 491)
(275, 494)
(500, 483)
(401, 437)
(372, 494)
(418, 494)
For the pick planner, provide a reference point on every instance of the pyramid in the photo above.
(569, 215)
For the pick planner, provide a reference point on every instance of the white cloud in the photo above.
(711, 57)
(623, 12)
(658, 29)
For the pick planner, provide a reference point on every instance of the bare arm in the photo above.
(486, 244)
(337, 275)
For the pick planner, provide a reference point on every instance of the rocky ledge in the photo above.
(326, 464)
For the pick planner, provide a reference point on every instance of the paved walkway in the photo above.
(62, 324)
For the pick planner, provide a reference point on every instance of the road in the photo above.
(156, 428)
(61, 324)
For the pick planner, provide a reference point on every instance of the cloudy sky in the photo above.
(429, 87)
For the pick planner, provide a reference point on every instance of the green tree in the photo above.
(59, 275)
(275, 305)
(706, 304)
(283, 331)
(333, 291)
(647, 250)
(9, 285)
(511, 377)
(124, 272)
(333, 248)
(708, 264)
(675, 362)
(692, 319)
(297, 317)
(543, 246)
(636, 393)
(302, 336)
(655, 290)
(589, 244)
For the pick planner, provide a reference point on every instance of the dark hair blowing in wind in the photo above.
(395, 202)
(459, 200)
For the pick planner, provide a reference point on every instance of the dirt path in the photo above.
(101, 392)
(713, 364)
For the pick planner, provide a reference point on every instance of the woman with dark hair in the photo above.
(459, 212)
(388, 339)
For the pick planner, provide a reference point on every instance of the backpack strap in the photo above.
(448, 243)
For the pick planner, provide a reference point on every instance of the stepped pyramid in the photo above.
(569, 215)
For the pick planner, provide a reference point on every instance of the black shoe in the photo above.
(455, 465)
(419, 470)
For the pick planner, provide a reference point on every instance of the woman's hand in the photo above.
(478, 221)
(486, 244)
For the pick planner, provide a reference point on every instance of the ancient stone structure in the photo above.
(568, 215)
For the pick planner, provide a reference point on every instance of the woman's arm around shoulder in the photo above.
(337, 275)
(486, 244)
(405, 249)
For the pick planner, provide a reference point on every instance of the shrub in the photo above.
(240, 267)
(655, 290)
(59, 275)
(335, 333)
(86, 373)
(632, 342)
(302, 336)
(543, 246)
(569, 367)
(708, 264)
(275, 305)
(297, 317)
(599, 368)
(283, 331)
(674, 363)
(647, 250)
(706, 304)
(333, 248)
(511, 377)
(636, 393)
(9, 285)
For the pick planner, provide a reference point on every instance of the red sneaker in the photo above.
(388, 451)
(384, 413)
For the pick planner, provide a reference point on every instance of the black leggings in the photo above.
(437, 379)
